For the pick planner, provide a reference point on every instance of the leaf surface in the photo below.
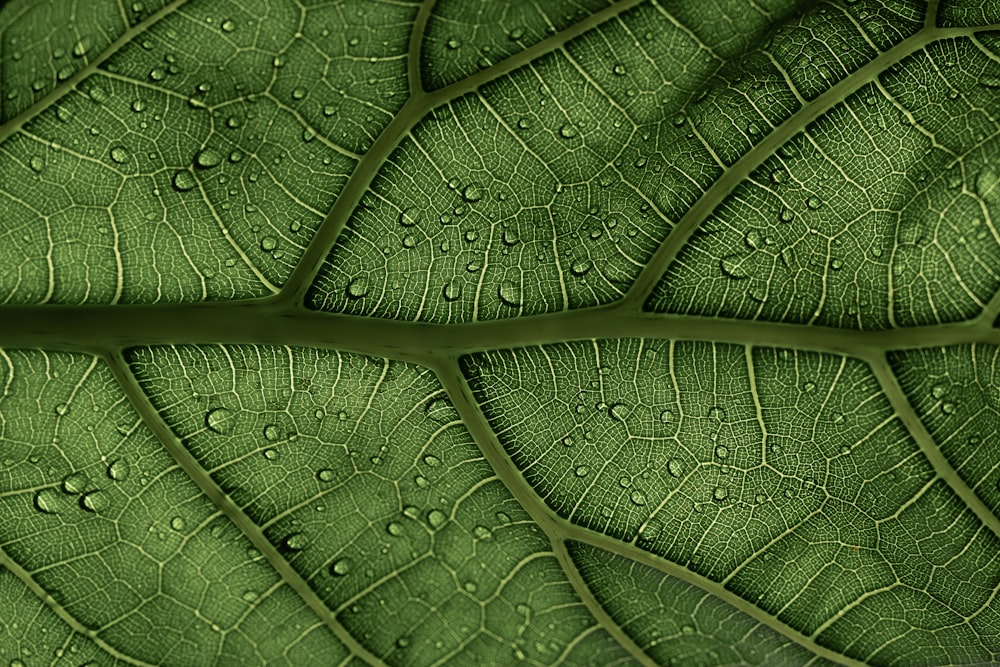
(488, 333)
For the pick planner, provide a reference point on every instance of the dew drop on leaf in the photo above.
(618, 69)
(75, 482)
(472, 193)
(49, 501)
(509, 293)
(207, 158)
(618, 411)
(394, 528)
(119, 154)
(62, 409)
(481, 532)
(814, 202)
(638, 498)
(666, 416)
(675, 467)
(357, 288)
(94, 501)
(567, 131)
(581, 471)
(294, 542)
(216, 418)
(325, 475)
(118, 470)
(581, 267)
(436, 519)
(341, 567)
(228, 25)
(271, 454)
(732, 267)
(177, 523)
(720, 493)
(183, 180)
(271, 432)
(452, 290)
(722, 451)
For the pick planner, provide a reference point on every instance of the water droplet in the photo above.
(357, 288)
(408, 217)
(786, 215)
(394, 528)
(119, 154)
(49, 501)
(939, 390)
(75, 482)
(516, 34)
(80, 48)
(184, 180)
(271, 432)
(666, 416)
(581, 267)
(988, 185)
(752, 239)
(452, 290)
(94, 501)
(814, 202)
(268, 243)
(270, 454)
(325, 475)
(402, 642)
(948, 408)
(472, 193)
(482, 533)
(732, 267)
(453, 44)
(299, 93)
(990, 81)
(618, 69)
(228, 25)
(722, 451)
(37, 164)
(720, 493)
(470, 586)
(618, 411)
(567, 131)
(62, 409)
(509, 293)
(340, 567)
(716, 412)
(581, 471)
(208, 158)
(432, 460)
(216, 418)
(638, 498)
(177, 523)
(118, 470)
(157, 74)
(436, 519)
(294, 542)
(675, 467)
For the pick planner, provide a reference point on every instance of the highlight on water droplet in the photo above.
(94, 501)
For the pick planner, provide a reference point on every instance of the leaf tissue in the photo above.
(499, 332)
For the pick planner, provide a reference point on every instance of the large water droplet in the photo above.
(638, 498)
(472, 193)
(49, 501)
(208, 158)
(509, 293)
(675, 467)
(452, 290)
(119, 154)
(567, 131)
(94, 501)
(271, 432)
(325, 475)
(720, 493)
(177, 523)
(216, 420)
(814, 202)
(357, 288)
(732, 267)
(581, 267)
(294, 542)
(618, 411)
(118, 470)
(75, 482)
(436, 519)
(183, 180)
(394, 528)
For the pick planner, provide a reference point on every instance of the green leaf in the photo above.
(485, 333)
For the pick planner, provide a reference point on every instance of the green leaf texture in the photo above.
(498, 332)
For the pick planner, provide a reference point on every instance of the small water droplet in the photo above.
(814, 202)
(988, 185)
(436, 519)
(666, 416)
(720, 493)
(183, 180)
(638, 498)
(516, 33)
(509, 293)
(325, 475)
(618, 411)
(482, 532)
(472, 193)
(581, 471)
(453, 44)
(62, 409)
(948, 408)
(394, 528)
(732, 267)
(716, 412)
(990, 81)
(452, 290)
(208, 158)
(294, 542)
(268, 243)
(618, 69)
(722, 451)
(581, 267)
(939, 390)
(402, 642)
(271, 432)
(341, 567)
(228, 25)
(567, 131)
(270, 454)
(752, 239)
(119, 154)
(408, 217)
(177, 523)
(357, 288)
